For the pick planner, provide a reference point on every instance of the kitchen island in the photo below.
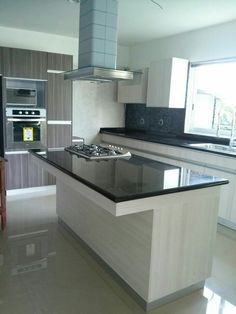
(152, 224)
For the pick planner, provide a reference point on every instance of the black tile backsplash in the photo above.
(154, 120)
(136, 117)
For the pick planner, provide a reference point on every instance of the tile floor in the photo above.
(43, 270)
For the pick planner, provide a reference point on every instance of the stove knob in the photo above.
(20, 112)
(32, 112)
(26, 112)
(112, 153)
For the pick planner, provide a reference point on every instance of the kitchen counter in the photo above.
(153, 225)
(128, 179)
(179, 140)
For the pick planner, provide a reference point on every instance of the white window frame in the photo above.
(188, 128)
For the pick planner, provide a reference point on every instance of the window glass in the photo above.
(212, 99)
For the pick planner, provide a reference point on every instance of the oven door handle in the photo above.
(25, 120)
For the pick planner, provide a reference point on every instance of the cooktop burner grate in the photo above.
(94, 151)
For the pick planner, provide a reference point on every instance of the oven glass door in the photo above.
(26, 131)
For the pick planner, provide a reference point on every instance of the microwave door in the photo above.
(21, 96)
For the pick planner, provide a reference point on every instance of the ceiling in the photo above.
(139, 20)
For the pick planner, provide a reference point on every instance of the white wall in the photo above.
(94, 105)
(98, 102)
(204, 44)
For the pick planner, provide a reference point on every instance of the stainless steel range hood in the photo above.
(98, 43)
(98, 74)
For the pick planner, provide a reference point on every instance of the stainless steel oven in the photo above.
(25, 128)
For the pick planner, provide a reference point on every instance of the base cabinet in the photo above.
(199, 161)
(21, 172)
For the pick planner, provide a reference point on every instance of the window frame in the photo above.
(188, 127)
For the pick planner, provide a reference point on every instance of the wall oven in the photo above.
(25, 128)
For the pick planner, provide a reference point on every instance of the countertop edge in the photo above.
(165, 142)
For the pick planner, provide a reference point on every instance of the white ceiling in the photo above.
(139, 20)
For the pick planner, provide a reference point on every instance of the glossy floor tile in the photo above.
(43, 270)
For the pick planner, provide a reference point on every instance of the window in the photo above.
(211, 102)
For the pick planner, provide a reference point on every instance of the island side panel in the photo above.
(184, 231)
(124, 243)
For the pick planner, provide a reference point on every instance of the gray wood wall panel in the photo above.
(59, 135)
(24, 63)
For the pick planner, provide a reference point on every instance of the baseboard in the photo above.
(227, 223)
(39, 190)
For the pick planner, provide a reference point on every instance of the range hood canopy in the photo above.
(98, 43)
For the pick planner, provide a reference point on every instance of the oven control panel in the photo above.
(23, 112)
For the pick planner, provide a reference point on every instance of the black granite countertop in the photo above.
(128, 179)
(180, 140)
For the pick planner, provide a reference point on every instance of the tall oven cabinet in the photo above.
(39, 66)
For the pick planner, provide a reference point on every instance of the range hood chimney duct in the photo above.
(98, 43)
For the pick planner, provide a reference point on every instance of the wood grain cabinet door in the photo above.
(59, 62)
(59, 136)
(17, 171)
(59, 101)
(22, 63)
(2, 195)
(59, 98)
(22, 172)
(1, 62)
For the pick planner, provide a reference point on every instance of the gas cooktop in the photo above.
(94, 151)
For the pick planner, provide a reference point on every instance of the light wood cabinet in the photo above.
(2, 194)
(199, 161)
(134, 91)
(167, 83)
(22, 63)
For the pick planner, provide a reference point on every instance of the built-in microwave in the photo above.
(21, 97)
(25, 93)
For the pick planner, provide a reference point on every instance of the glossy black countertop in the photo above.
(180, 140)
(128, 179)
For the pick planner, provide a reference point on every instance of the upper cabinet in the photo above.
(23, 63)
(59, 62)
(59, 91)
(167, 83)
(134, 91)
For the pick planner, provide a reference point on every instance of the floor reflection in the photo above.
(216, 304)
(44, 270)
